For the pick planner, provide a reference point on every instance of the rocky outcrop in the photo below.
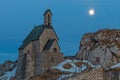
(52, 74)
(7, 66)
(111, 75)
(101, 48)
(93, 74)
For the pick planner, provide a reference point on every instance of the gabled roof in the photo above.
(49, 44)
(47, 12)
(35, 34)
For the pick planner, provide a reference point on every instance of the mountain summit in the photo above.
(101, 47)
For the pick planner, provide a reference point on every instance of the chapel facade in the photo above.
(40, 50)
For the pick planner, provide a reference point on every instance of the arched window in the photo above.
(48, 19)
(55, 50)
(28, 51)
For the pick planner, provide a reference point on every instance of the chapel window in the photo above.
(55, 50)
(48, 19)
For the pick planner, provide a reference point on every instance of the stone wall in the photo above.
(51, 34)
(45, 36)
(21, 66)
(46, 60)
(28, 48)
(43, 40)
(55, 46)
(30, 65)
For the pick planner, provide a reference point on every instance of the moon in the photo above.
(91, 12)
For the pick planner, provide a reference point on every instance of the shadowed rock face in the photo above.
(111, 75)
(7, 66)
(101, 47)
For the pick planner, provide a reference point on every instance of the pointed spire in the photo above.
(47, 11)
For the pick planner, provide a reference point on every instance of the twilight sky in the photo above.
(70, 21)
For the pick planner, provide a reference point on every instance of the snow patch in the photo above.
(8, 75)
(74, 68)
(89, 63)
(116, 66)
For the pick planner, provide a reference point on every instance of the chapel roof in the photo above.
(34, 35)
(48, 10)
(49, 44)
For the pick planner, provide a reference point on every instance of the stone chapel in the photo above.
(40, 50)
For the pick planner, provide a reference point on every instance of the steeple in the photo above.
(48, 17)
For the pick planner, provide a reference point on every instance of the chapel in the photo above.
(39, 51)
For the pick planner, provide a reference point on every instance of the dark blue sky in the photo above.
(70, 20)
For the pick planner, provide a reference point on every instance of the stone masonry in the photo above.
(40, 50)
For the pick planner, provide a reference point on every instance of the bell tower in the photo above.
(48, 17)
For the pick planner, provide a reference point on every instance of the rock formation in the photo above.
(7, 66)
(93, 74)
(101, 47)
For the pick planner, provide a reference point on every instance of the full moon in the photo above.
(91, 12)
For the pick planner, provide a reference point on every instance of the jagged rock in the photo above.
(92, 74)
(101, 47)
(1, 70)
(7, 66)
(111, 75)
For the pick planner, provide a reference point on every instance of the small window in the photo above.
(28, 52)
(52, 59)
(55, 50)
(48, 19)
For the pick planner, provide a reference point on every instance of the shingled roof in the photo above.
(49, 44)
(34, 35)
(47, 12)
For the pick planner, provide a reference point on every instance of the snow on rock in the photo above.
(115, 66)
(73, 69)
(8, 75)
(7, 70)
(90, 64)
(85, 64)
(101, 47)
